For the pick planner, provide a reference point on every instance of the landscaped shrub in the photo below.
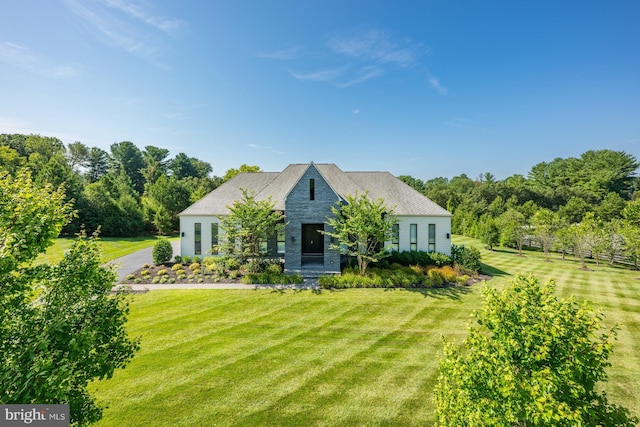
(421, 258)
(468, 257)
(196, 259)
(145, 273)
(209, 261)
(272, 279)
(274, 269)
(177, 259)
(162, 272)
(130, 277)
(176, 267)
(186, 260)
(194, 266)
(162, 252)
(448, 273)
(231, 264)
(435, 278)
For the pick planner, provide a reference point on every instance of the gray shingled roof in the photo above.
(277, 185)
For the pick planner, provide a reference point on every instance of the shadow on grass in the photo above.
(447, 292)
(493, 271)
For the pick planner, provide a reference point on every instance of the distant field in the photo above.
(354, 357)
(112, 247)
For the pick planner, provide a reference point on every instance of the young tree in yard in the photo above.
(489, 233)
(514, 229)
(532, 360)
(60, 325)
(361, 228)
(587, 237)
(546, 224)
(250, 222)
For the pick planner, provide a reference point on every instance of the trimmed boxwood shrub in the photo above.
(162, 252)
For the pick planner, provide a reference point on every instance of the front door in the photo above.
(312, 239)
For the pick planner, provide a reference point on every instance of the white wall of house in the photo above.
(187, 234)
(442, 225)
(443, 229)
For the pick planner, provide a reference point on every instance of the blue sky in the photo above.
(421, 88)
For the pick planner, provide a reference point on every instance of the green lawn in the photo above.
(354, 357)
(112, 247)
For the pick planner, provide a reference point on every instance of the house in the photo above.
(306, 193)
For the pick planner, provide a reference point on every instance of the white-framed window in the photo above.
(413, 237)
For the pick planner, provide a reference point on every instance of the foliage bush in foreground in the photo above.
(162, 252)
(532, 359)
(60, 326)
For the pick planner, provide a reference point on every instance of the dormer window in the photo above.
(312, 189)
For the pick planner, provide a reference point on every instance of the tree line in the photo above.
(587, 205)
(126, 191)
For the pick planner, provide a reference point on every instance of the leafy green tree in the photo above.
(244, 168)
(77, 155)
(611, 207)
(546, 224)
(97, 164)
(155, 163)
(183, 166)
(513, 229)
(61, 327)
(631, 234)
(361, 228)
(162, 221)
(631, 212)
(127, 158)
(614, 242)
(532, 359)
(574, 210)
(414, 183)
(171, 194)
(10, 159)
(565, 240)
(248, 225)
(587, 238)
(489, 233)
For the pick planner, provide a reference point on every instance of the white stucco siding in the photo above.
(443, 229)
(187, 233)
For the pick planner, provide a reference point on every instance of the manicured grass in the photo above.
(354, 357)
(112, 247)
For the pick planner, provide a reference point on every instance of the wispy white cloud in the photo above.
(378, 46)
(356, 111)
(351, 58)
(320, 75)
(117, 23)
(363, 75)
(435, 83)
(141, 12)
(22, 57)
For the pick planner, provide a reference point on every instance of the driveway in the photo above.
(132, 262)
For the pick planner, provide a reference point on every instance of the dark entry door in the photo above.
(312, 240)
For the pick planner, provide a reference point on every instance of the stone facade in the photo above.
(300, 209)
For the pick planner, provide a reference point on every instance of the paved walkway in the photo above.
(141, 287)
